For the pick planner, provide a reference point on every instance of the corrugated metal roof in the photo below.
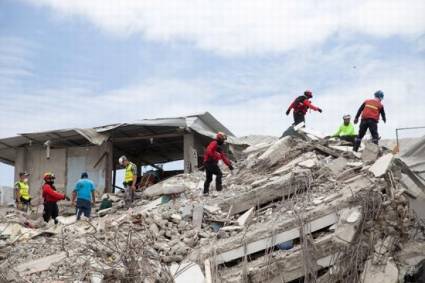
(204, 124)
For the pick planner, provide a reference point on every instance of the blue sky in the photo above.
(86, 63)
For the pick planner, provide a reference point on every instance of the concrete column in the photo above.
(190, 153)
(20, 161)
(109, 166)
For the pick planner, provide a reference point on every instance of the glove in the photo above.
(320, 110)
(288, 111)
(356, 121)
(67, 198)
(231, 167)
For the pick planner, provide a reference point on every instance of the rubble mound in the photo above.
(297, 208)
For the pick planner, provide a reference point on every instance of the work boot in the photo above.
(356, 145)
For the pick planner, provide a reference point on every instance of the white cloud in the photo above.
(249, 26)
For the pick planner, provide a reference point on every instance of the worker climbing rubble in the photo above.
(300, 107)
(346, 131)
(22, 192)
(370, 110)
(84, 193)
(130, 179)
(213, 154)
(51, 198)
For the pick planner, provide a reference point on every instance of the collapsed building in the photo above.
(297, 209)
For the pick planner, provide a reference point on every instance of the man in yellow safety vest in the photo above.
(130, 178)
(22, 192)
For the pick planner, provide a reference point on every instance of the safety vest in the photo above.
(129, 172)
(372, 109)
(24, 190)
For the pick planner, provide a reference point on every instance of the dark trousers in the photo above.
(298, 118)
(51, 210)
(366, 124)
(83, 207)
(349, 139)
(211, 168)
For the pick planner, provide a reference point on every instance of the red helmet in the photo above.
(308, 93)
(221, 136)
(48, 176)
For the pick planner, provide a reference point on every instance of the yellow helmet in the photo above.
(48, 175)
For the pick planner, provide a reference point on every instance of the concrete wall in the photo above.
(193, 149)
(67, 164)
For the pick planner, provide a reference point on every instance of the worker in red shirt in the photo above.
(370, 110)
(213, 154)
(300, 105)
(51, 197)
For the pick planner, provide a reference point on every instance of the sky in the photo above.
(87, 63)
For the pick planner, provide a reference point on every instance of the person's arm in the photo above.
(310, 105)
(134, 169)
(291, 106)
(384, 118)
(338, 132)
(359, 112)
(53, 194)
(93, 197)
(74, 196)
(17, 194)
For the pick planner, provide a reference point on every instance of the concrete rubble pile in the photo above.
(297, 208)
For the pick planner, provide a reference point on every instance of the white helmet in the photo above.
(122, 159)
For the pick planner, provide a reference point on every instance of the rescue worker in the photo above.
(346, 131)
(300, 105)
(84, 192)
(51, 198)
(130, 178)
(213, 154)
(370, 111)
(22, 192)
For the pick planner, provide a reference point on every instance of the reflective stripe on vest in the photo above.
(24, 190)
(372, 109)
(129, 172)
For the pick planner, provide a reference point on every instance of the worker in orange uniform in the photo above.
(300, 105)
(51, 198)
(213, 154)
(370, 110)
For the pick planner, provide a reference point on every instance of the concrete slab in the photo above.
(246, 218)
(277, 151)
(370, 152)
(382, 165)
(198, 213)
(165, 189)
(337, 166)
(380, 273)
(40, 264)
(348, 224)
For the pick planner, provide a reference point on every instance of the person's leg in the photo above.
(46, 212)
(215, 170)
(79, 209)
(373, 128)
(208, 179)
(298, 118)
(55, 212)
(362, 131)
(349, 139)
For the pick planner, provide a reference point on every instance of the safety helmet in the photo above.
(379, 94)
(221, 136)
(308, 93)
(122, 159)
(346, 117)
(48, 176)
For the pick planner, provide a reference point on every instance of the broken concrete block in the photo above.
(67, 220)
(187, 272)
(246, 218)
(277, 151)
(198, 213)
(212, 209)
(104, 212)
(370, 152)
(164, 189)
(387, 273)
(231, 228)
(347, 225)
(337, 166)
(310, 163)
(382, 165)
